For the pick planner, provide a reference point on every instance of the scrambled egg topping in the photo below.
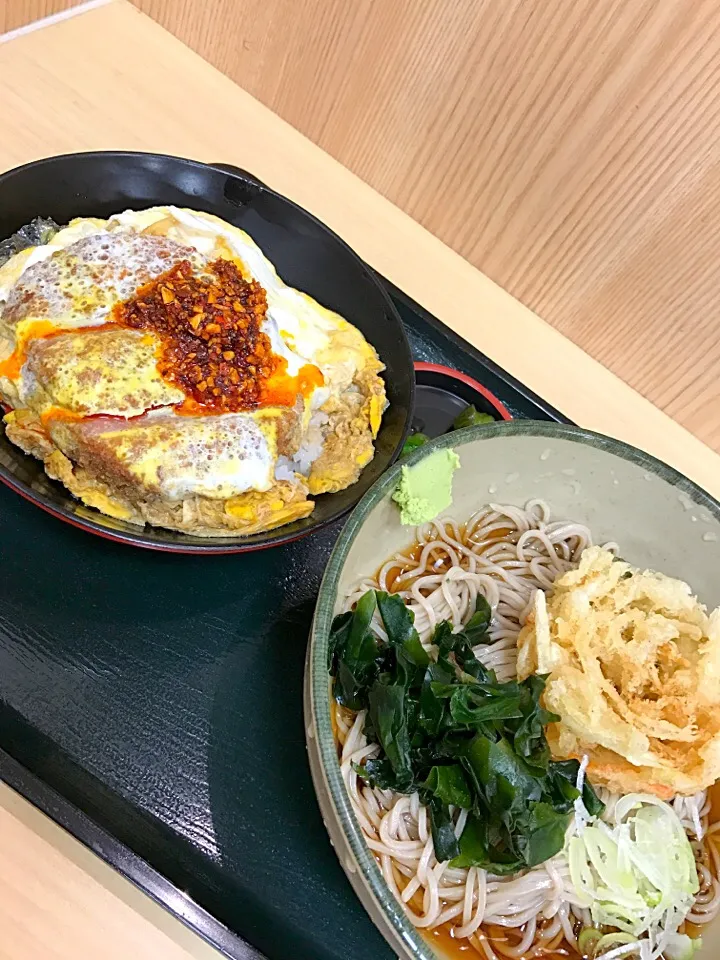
(634, 673)
(165, 374)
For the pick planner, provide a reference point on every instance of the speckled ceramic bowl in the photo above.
(660, 519)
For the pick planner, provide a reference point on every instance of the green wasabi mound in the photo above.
(425, 489)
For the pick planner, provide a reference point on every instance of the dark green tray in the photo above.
(152, 705)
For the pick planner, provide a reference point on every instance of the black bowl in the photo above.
(306, 254)
(441, 394)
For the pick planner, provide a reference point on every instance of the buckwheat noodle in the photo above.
(505, 553)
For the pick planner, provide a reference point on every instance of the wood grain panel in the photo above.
(568, 148)
(18, 13)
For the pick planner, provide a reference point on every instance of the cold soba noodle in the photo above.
(504, 553)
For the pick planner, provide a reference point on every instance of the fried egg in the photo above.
(175, 457)
(110, 371)
(12, 270)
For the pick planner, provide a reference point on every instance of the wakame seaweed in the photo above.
(448, 729)
(36, 233)
(414, 441)
(470, 417)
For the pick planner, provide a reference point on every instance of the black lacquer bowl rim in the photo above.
(145, 537)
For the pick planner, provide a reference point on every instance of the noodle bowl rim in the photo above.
(356, 858)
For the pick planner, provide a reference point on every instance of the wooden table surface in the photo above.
(111, 78)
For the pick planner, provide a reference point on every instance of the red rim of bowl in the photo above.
(87, 527)
(497, 404)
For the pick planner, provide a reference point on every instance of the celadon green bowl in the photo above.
(660, 519)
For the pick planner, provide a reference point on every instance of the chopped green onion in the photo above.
(604, 944)
(638, 875)
(588, 941)
(413, 442)
(679, 946)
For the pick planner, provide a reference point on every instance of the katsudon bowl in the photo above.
(306, 255)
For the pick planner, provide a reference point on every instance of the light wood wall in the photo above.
(18, 13)
(568, 148)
